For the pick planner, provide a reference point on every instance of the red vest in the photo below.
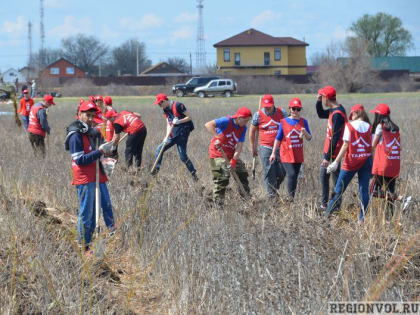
(228, 138)
(25, 106)
(129, 122)
(329, 136)
(291, 146)
(359, 150)
(109, 132)
(387, 155)
(268, 127)
(84, 174)
(34, 124)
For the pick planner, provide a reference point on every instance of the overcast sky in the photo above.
(169, 28)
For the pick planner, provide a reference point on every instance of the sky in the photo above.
(169, 28)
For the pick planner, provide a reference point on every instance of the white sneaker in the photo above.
(407, 203)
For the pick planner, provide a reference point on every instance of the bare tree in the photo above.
(84, 51)
(124, 57)
(180, 63)
(49, 55)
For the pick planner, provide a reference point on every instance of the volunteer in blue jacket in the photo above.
(178, 128)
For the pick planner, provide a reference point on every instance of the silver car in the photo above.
(219, 86)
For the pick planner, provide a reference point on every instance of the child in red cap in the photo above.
(26, 103)
(228, 137)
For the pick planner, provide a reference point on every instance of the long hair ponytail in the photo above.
(388, 124)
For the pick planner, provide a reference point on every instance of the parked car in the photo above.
(182, 89)
(219, 86)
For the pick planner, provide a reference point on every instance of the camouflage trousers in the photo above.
(221, 175)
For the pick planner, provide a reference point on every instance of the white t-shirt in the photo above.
(360, 125)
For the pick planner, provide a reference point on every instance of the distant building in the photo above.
(28, 73)
(253, 52)
(62, 68)
(162, 69)
(411, 64)
(11, 75)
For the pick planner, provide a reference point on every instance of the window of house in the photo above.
(237, 59)
(266, 58)
(54, 70)
(277, 54)
(69, 70)
(226, 54)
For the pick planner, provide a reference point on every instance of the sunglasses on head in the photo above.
(296, 109)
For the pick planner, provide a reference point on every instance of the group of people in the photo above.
(352, 145)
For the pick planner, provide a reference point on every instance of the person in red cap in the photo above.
(337, 118)
(289, 138)
(26, 104)
(178, 128)
(109, 130)
(387, 156)
(357, 153)
(266, 122)
(81, 140)
(228, 137)
(38, 126)
(132, 124)
(108, 102)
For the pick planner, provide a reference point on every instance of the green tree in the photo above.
(384, 34)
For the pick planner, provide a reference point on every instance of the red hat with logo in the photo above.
(111, 113)
(382, 109)
(108, 100)
(328, 91)
(49, 99)
(267, 100)
(160, 97)
(25, 91)
(87, 106)
(295, 102)
(99, 98)
(243, 112)
(356, 108)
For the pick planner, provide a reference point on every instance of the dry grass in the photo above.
(174, 253)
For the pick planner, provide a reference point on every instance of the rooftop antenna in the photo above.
(200, 55)
(29, 43)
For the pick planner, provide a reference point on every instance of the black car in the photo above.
(182, 89)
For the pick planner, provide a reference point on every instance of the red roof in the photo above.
(252, 37)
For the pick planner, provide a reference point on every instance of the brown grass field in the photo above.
(176, 254)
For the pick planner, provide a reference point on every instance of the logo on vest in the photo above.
(395, 147)
(272, 124)
(362, 146)
(231, 139)
(294, 139)
(129, 118)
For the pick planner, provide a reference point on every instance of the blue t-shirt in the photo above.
(292, 122)
(223, 122)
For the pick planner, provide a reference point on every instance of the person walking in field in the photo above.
(228, 138)
(33, 89)
(386, 149)
(81, 141)
(289, 138)
(266, 122)
(130, 123)
(38, 127)
(26, 104)
(336, 115)
(357, 153)
(178, 128)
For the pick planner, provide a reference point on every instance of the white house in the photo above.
(11, 75)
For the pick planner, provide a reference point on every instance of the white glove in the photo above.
(218, 144)
(106, 147)
(332, 167)
(175, 121)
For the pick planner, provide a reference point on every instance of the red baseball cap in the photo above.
(243, 112)
(87, 106)
(382, 109)
(355, 108)
(49, 99)
(82, 100)
(111, 113)
(99, 98)
(267, 100)
(295, 102)
(160, 97)
(25, 91)
(328, 91)
(108, 100)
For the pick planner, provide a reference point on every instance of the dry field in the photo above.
(174, 253)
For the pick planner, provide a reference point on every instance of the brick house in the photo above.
(62, 68)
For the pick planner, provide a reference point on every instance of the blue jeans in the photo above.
(86, 217)
(343, 181)
(25, 121)
(273, 172)
(181, 143)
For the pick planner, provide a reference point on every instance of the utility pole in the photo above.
(29, 43)
(137, 60)
(42, 33)
(200, 61)
(190, 64)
